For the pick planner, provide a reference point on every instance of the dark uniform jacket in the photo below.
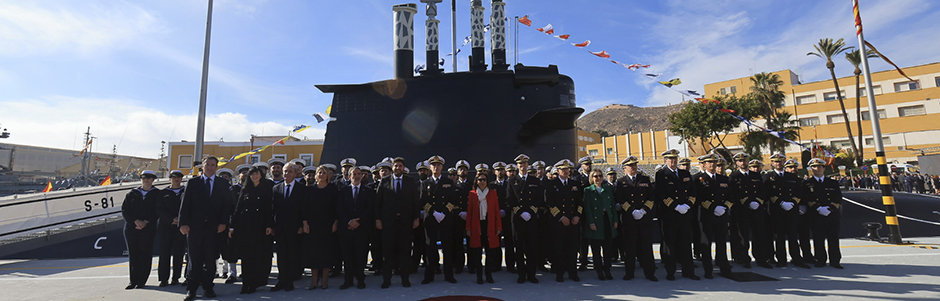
(818, 194)
(525, 195)
(441, 197)
(711, 193)
(168, 206)
(633, 195)
(501, 194)
(136, 206)
(779, 189)
(462, 191)
(564, 199)
(673, 190)
(747, 188)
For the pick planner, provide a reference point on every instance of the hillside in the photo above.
(618, 119)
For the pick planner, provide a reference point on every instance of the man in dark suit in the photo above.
(675, 198)
(525, 195)
(396, 215)
(288, 196)
(440, 207)
(204, 213)
(354, 213)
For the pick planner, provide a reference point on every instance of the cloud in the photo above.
(137, 128)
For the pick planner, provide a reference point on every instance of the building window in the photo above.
(185, 162)
(835, 118)
(881, 115)
(841, 144)
(832, 96)
(802, 100)
(884, 141)
(308, 159)
(936, 82)
(254, 159)
(581, 148)
(279, 156)
(610, 151)
(809, 121)
(911, 111)
(592, 152)
(862, 92)
(729, 90)
(906, 86)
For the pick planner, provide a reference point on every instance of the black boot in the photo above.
(489, 277)
(480, 275)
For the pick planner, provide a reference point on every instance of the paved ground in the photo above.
(872, 271)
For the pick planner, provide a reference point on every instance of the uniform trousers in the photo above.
(172, 247)
(677, 242)
(715, 231)
(139, 251)
(826, 230)
(446, 232)
(638, 245)
(787, 229)
(565, 242)
(526, 236)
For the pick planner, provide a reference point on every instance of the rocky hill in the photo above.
(618, 119)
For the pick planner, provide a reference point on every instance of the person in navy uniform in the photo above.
(204, 213)
(172, 242)
(140, 228)
(229, 256)
(396, 214)
(564, 199)
(277, 169)
(713, 192)
(584, 176)
(463, 185)
(824, 199)
(525, 195)
(500, 184)
(419, 234)
(440, 211)
(746, 189)
(251, 223)
(354, 215)
(675, 198)
(783, 190)
(636, 196)
(288, 197)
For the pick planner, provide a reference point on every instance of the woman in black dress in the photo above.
(319, 224)
(251, 222)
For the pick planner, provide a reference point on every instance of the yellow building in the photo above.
(586, 138)
(180, 154)
(647, 146)
(905, 109)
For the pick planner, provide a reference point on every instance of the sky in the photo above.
(131, 70)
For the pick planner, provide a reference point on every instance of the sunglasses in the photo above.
(481, 180)
(597, 176)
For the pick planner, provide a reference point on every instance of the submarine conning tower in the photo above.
(480, 115)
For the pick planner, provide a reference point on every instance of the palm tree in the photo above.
(765, 89)
(768, 100)
(827, 49)
(854, 57)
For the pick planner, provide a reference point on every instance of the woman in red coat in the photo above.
(483, 226)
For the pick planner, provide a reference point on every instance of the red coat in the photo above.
(494, 222)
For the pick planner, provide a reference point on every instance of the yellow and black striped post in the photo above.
(887, 198)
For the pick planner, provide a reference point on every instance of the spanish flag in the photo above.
(48, 187)
(106, 181)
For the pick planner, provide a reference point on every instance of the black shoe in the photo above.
(190, 296)
(671, 277)
(450, 279)
(163, 284)
(627, 277)
(781, 264)
(809, 260)
(243, 290)
(801, 264)
(652, 278)
(836, 265)
(427, 280)
(709, 276)
(575, 278)
(489, 278)
(231, 280)
(405, 282)
(224, 275)
(533, 280)
(583, 267)
(765, 265)
(772, 261)
(211, 293)
(130, 286)
(361, 285)
(601, 276)
(521, 279)
(479, 279)
(609, 276)
(386, 284)
(820, 264)
(175, 282)
(693, 277)
(511, 270)
(346, 285)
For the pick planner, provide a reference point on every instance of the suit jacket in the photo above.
(673, 190)
(827, 193)
(402, 205)
(287, 211)
(441, 197)
(747, 188)
(784, 188)
(362, 208)
(634, 195)
(564, 200)
(202, 210)
(525, 196)
(711, 193)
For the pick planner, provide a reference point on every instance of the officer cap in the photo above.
(512, 167)
(384, 164)
(630, 160)
(740, 157)
(499, 165)
(261, 164)
(532, 169)
(462, 163)
(522, 158)
(611, 171)
(388, 159)
(721, 160)
(226, 170)
(482, 167)
(564, 164)
(554, 170)
(755, 163)
(309, 169)
(421, 165)
(273, 161)
(148, 174)
(176, 173)
(778, 157)
(685, 161)
(817, 162)
(297, 161)
(672, 153)
(348, 162)
(452, 171)
(539, 164)
(407, 171)
(373, 169)
(242, 167)
(435, 159)
(329, 166)
(791, 163)
(586, 160)
(365, 168)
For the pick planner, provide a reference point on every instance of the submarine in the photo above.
(481, 115)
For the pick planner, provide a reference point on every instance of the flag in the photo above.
(636, 66)
(727, 110)
(318, 117)
(106, 181)
(582, 45)
(525, 20)
(653, 75)
(281, 141)
(300, 128)
(563, 37)
(418, 68)
(693, 92)
(486, 28)
(466, 41)
(548, 29)
(706, 100)
(48, 187)
(872, 47)
(671, 82)
(602, 54)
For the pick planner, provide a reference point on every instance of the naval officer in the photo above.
(525, 195)
(172, 242)
(564, 199)
(140, 228)
(712, 193)
(439, 208)
(635, 193)
(824, 198)
(675, 198)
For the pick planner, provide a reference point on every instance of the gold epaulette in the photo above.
(743, 200)
(729, 204)
(450, 207)
(555, 211)
(773, 199)
(534, 209)
(580, 209)
(516, 209)
(692, 200)
(427, 207)
(837, 205)
(625, 206)
(706, 204)
(668, 202)
(796, 199)
(649, 204)
(760, 201)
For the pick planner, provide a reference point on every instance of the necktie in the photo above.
(355, 194)
(209, 185)
(398, 185)
(287, 191)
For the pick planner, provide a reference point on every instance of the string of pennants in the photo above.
(670, 84)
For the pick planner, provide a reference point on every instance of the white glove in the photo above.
(438, 216)
(824, 210)
(683, 209)
(787, 206)
(719, 211)
(803, 209)
(754, 205)
(638, 214)
(502, 213)
(424, 214)
(463, 215)
(525, 216)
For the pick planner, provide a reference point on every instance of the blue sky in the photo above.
(131, 69)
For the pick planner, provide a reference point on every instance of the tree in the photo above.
(766, 103)
(602, 133)
(855, 58)
(827, 49)
(703, 121)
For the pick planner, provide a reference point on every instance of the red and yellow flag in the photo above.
(106, 181)
(48, 187)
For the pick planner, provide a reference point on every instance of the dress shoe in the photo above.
(709, 276)
(361, 285)
(163, 284)
(836, 265)
(489, 278)
(652, 278)
(346, 285)
(801, 264)
(765, 265)
(450, 279)
(406, 283)
(543, 268)
(820, 264)
(693, 277)
(671, 277)
(533, 279)
(230, 280)
(772, 261)
(609, 276)
(386, 284)
(190, 296)
(479, 279)
(211, 293)
(130, 286)
(427, 280)
(781, 264)
(583, 267)
(243, 290)
(175, 282)
(521, 279)
(141, 286)
(627, 277)
(809, 260)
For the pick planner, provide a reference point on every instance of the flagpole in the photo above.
(201, 122)
(887, 196)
